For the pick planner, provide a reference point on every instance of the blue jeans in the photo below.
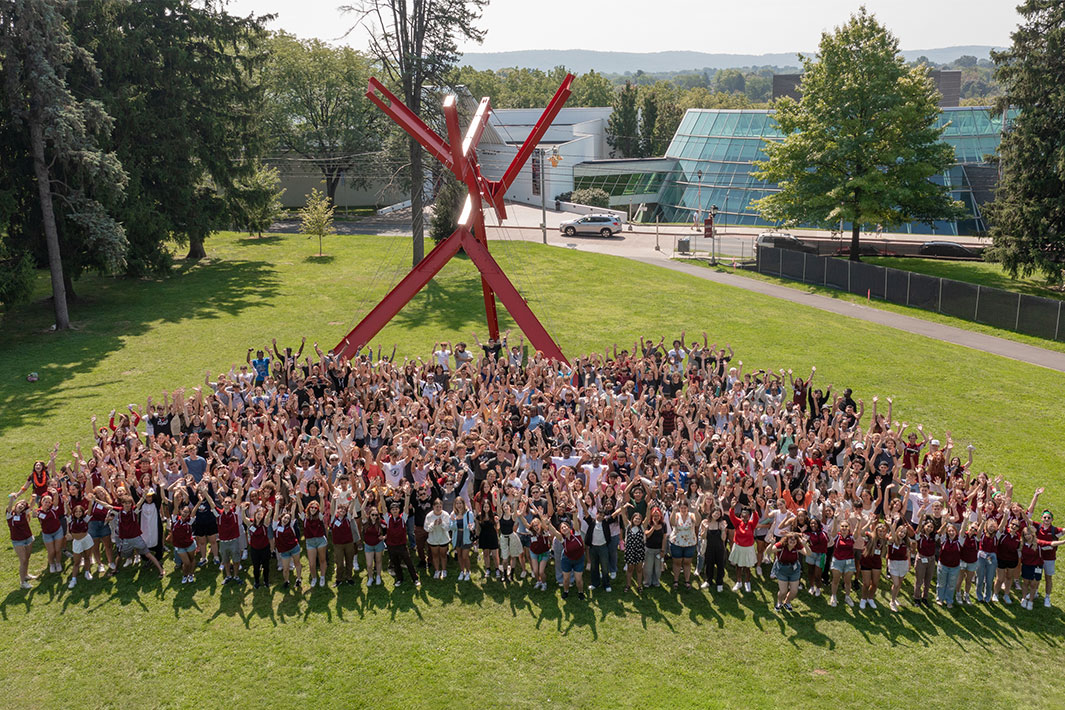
(986, 568)
(946, 583)
(612, 549)
(556, 550)
(599, 556)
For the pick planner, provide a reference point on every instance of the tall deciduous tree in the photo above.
(623, 126)
(317, 107)
(416, 42)
(592, 89)
(38, 55)
(861, 144)
(1027, 215)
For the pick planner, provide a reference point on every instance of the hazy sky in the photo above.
(734, 26)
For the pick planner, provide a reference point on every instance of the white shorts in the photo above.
(1048, 567)
(81, 546)
(898, 568)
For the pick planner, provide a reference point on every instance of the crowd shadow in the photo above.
(109, 311)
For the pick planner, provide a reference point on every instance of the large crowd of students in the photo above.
(627, 470)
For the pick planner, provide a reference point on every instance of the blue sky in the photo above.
(735, 26)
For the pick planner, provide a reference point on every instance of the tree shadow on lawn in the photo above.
(116, 309)
(457, 306)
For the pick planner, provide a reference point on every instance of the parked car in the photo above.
(947, 249)
(606, 225)
(865, 250)
(783, 240)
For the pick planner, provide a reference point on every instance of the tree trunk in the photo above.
(417, 180)
(332, 182)
(68, 287)
(51, 234)
(196, 250)
(856, 230)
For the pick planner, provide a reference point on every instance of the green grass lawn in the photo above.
(888, 306)
(149, 645)
(974, 272)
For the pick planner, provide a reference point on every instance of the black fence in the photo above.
(1031, 315)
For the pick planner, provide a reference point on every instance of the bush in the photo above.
(16, 275)
(592, 197)
(564, 196)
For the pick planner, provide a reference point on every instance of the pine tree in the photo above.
(1027, 215)
(623, 127)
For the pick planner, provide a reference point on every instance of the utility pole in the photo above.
(543, 194)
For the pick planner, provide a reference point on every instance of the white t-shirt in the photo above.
(442, 357)
(594, 475)
(438, 525)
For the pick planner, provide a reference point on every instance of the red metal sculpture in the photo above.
(459, 155)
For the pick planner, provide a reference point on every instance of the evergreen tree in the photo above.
(648, 121)
(861, 143)
(1027, 215)
(623, 127)
(255, 201)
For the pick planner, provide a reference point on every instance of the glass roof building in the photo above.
(710, 162)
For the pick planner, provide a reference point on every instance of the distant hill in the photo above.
(582, 60)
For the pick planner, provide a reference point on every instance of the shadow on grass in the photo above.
(320, 259)
(110, 311)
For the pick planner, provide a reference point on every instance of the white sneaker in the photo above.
(832, 601)
(26, 584)
(746, 586)
(861, 604)
(719, 587)
(356, 567)
(524, 574)
(736, 587)
(847, 600)
(443, 574)
(1006, 598)
(994, 597)
(73, 581)
(607, 589)
(704, 585)
(111, 566)
(1046, 601)
(872, 603)
(321, 580)
(88, 575)
(102, 569)
(314, 581)
(379, 582)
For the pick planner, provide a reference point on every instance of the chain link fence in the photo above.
(1031, 315)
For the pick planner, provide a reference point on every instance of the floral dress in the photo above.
(634, 545)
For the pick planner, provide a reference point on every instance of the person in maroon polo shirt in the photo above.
(396, 538)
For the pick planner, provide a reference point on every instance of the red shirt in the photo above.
(129, 524)
(50, 522)
(898, 552)
(744, 536)
(313, 526)
(78, 526)
(257, 537)
(573, 546)
(99, 512)
(396, 534)
(19, 525)
(844, 548)
(969, 549)
(818, 542)
(950, 553)
(1047, 534)
(181, 531)
(926, 546)
(872, 556)
(787, 556)
(372, 532)
(1030, 555)
(228, 529)
(1007, 548)
(540, 544)
(341, 527)
(988, 544)
(284, 538)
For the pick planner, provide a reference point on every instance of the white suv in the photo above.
(606, 225)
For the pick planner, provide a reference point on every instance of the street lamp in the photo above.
(713, 235)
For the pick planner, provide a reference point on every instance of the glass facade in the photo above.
(715, 150)
(621, 184)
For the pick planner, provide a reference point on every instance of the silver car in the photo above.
(606, 225)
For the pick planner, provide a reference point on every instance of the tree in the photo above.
(861, 144)
(648, 120)
(255, 201)
(446, 208)
(623, 126)
(416, 42)
(317, 107)
(591, 196)
(180, 78)
(965, 60)
(592, 89)
(758, 88)
(316, 218)
(64, 132)
(1027, 216)
(729, 81)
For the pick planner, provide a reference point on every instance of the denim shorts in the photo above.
(313, 543)
(379, 547)
(787, 572)
(52, 537)
(569, 565)
(23, 543)
(187, 550)
(294, 552)
(680, 552)
(969, 566)
(843, 566)
(99, 529)
(817, 559)
(540, 556)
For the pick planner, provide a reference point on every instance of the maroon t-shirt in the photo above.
(19, 526)
(844, 548)
(227, 525)
(181, 532)
(950, 553)
(341, 528)
(257, 537)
